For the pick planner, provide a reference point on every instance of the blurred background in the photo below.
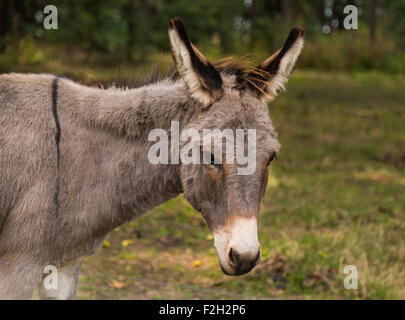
(336, 192)
(110, 33)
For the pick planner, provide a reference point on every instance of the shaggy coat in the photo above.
(74, 165)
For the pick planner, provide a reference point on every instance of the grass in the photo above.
(335, 198)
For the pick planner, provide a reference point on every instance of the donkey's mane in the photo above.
(240, 67)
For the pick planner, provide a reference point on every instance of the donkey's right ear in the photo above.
(200, 76)
(268, 78)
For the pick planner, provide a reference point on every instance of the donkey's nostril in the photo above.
(243, 262)
(233, 257)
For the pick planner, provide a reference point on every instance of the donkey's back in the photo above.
(26, 138)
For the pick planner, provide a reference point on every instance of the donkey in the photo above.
(74, 162)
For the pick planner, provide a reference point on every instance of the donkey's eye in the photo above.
(210, 160)
(272, 157)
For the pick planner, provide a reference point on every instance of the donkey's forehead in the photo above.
(244, 109)
(234, 111)
(241, 111)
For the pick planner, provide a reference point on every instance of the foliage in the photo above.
(133, 30)
(335, 194)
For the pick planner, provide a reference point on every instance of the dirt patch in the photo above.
(279, 269)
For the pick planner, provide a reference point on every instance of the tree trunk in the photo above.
(252, 18)
(4, 24)
(373, 21)
(131, 29)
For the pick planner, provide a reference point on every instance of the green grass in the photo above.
(335, 198)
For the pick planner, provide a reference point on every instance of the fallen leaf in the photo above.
(106, 244)
(127, 242)
(209, 237)
(197, 263)
(116, 284)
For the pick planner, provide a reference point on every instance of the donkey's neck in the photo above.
(122, 121)
(133, 113)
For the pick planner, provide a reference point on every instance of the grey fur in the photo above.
(104, 176)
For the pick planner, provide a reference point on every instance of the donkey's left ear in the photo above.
(270, 77)
(200, 76)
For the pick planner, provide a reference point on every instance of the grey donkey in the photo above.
(74, 162)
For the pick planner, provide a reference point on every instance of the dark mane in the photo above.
(240, 67)
(233, 66)
(154, 76)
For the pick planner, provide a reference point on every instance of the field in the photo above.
(335, 198)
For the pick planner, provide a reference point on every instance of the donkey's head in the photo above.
(231, 99)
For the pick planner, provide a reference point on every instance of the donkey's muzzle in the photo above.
(242, 263)
(238, 246)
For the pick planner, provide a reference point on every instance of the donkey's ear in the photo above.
(270, 77)
(200, 76)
